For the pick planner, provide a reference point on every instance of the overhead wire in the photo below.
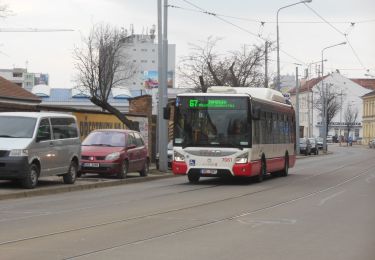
(340, 32)
(239, 27)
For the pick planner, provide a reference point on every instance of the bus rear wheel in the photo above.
(193, 178)
(285, 171)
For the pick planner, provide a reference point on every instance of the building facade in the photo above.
(368, 117)
(23, 78)
(142, 51)
(346, 92)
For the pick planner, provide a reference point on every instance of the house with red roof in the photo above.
(347, 93)
(13, 97)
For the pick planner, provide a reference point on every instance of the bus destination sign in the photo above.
(211, 103)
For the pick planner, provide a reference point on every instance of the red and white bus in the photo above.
(233, 131)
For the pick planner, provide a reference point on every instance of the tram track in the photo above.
(154, 214)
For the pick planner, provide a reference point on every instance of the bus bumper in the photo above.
(179, 168)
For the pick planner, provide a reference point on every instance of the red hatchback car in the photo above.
(114, 151)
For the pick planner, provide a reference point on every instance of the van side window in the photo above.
(44, 130)
(64, 128)
(138, 140)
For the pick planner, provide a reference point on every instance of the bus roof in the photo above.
(259, 93)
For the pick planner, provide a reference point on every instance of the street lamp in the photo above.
(325, 99)
(277, 36)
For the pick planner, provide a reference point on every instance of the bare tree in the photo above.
(333, 103)
(350, 117)
(102, 64)
(4, 11)
(204, 66)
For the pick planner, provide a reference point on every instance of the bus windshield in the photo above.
(212, 121)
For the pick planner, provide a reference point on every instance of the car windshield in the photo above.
(103, 138)
(302, 141)
(312, 140)
(17, 127)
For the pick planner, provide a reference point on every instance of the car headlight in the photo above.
(19, 152)
(243, 158)
(112, 156)
(178, 157)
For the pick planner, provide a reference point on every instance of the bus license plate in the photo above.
(91, 165)
(208, 171)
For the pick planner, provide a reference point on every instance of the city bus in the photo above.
(233, 131)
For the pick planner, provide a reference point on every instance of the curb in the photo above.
(86, 186)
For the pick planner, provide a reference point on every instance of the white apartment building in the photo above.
(348, 92)
(142, 50)
(23, 78)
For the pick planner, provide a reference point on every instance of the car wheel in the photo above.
(71, 176)
(146, 169)
(31, 179)
(122, 174)
(193, 178)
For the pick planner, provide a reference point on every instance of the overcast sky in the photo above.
(303, 34)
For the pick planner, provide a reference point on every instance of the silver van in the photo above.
(37, 144)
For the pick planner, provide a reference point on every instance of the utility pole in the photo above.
(266, 65)
(297, 112)
(162, 130)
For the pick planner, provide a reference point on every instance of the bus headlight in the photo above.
(19, 152)
(243, 158)
(178, 157)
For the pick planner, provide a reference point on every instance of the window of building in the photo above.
(17, 74)
(134, 49)
(134, 60)
(153, 61)
(143, 61)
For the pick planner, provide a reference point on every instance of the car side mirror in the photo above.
(131, 146)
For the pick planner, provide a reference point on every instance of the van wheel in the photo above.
(123, 170)
(31, 179)
(146, 169)
(71, 176)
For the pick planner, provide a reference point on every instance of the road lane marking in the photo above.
(330, 197)
(368, 180)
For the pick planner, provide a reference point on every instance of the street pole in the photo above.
(266, 65)
(325, 106)
(297, 112)
(162, 88)
(278, 40)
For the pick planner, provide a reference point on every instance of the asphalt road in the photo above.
(323, 210)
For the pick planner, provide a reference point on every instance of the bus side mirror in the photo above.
(167, 112)
(255, 113)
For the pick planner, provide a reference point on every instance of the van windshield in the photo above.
(17, 127)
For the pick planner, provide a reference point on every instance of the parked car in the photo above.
(34, 144)
(114, 152)
(319, 142)
(304, 146)
(170, 156)
(329, 139)
(371, 144)
(314, 145)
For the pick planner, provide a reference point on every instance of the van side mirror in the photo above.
(167, 112)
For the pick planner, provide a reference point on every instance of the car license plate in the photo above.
(91, 164)
(208, 171)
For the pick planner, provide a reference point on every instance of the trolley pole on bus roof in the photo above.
(162, 124)
(297, 113)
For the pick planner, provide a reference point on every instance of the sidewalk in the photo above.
(54, 184)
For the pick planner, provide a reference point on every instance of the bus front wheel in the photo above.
(193, 178)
